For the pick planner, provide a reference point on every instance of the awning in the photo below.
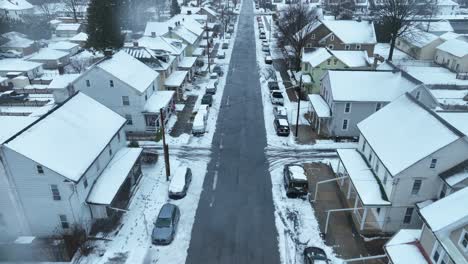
(176, 79)
(362, 177)
(159, 99)
(198, 52)
(404, 247)
(187, 62)
(321, 107)
(111, 179)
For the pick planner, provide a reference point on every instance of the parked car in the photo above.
(219, 70)
(180, 182)
(295, 180)
(207, 99)
(221, 55)
(280, 112)
(262, 35)
(199, 124)
(165, 226)
(13, 96)
(227, 36)
(315, 255)
(273, 86)
(260, 25)
(268, 59)
(211, 87)
(281, 127)
(225, 44)
(265, 49)
(11, 54)
(276, 97)
(214, 76)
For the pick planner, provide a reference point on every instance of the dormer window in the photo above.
(332, 37)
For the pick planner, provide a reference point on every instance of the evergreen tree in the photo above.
(104, 25)
(175, 8)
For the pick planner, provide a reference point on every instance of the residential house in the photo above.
(128, 87)
(343, 35)
(51, 58)
(446, 8)
(14, 9)
(436, 27)
(393, 169)
(442, 239)
(420, 44)
(316, 61)
(85, 172)
(453, 54)
(66, 46)
(212, 16)
(18, 42)
(16, 67)
(67, 29)
(79, 38)
(351, 96)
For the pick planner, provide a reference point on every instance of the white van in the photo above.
(205, 110)
(199, 124)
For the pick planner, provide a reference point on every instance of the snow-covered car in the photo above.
(227, 36)
(199, 123)
(221, 55)
(315, 255)
(180, 182)
(273, 86)
(211, 87)
(165, 226)
(268, 60)
(219, 70)
(277, 98)
(262, 35)
(225, 44)
(265, 49)
(207, 99)
(280, 112)
(11, 54)
(281, 127)
(295, 181)
(214, 76)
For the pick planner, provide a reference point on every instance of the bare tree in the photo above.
(72, 7)
(340, 9)
(48, 8)
(295, 24)
(160, 7)
(399, 17)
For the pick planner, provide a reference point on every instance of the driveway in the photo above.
(235, 222)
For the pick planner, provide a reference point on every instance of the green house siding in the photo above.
(317, 72)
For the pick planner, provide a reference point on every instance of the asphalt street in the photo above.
(235, 222)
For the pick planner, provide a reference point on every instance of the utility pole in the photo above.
(207, 45)
(298, 91)
(165, 146)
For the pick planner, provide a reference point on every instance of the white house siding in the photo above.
(41, 210)
(455, 238)
(111, 97)
(359, 111)
(442, 58)
(420, 53)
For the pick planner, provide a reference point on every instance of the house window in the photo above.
(40, 170)
(363, 147)
(463, 243)
(416, 187)
(378, 106)
(88, 83)
(98, 166)
(129, 119)
(437, 254)
(312, 36)
(358, 47)
(385, 178)
(408, 215)
(55, 192)
(118, 136)
(335, 61)
(433, 163)
(111, 83)
(330, 46)
(347, 108)
(309, 45)
(418, 94)
(2, 220)
(377, 167)
(110, 151)
(125, 100)
(443, 191)
(347, 47)
(332, 37)
(146, 97)
(328, 62)
(64, 222)
(153, 87)
(85, 182)
(378, 210)
(456, 67)
(437, 58)
(370, 157)
(345, 124)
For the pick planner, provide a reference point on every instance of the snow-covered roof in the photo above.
(48, 54)
(173, 46)
(62, 81)
(350, 31)
(456, 175)
(68, 139)
(403, 247)
(450, 97)
(449, 35)
(447, 3)
(187, 62)
(437, 26)
(455, 47)
(362, 177)
(352, 58)
(410, 126)
(158, 100)
(176, 79)
(453, 207)
(433, 75)
(129, 70)
(68, 27)
(185, 34)
(420, 38)
(374, 86)
(111, 179)
(63, 45)
(158, 28)
(297, 173)
(13, 124)
(15, 5)
(190, 23)
(20, 65)
(459, 120)
(178, 179)
(321, 107)
(315, 56)
(17, 40)
(80, 37)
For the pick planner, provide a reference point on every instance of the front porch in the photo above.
(159, 100)
(176, 82)
(319, 114)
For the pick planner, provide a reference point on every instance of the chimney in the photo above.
(189, 12)
(153, 34)
(135, 43)
(61, 69)
(169, 28)
(108, 53)
(377, 58)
